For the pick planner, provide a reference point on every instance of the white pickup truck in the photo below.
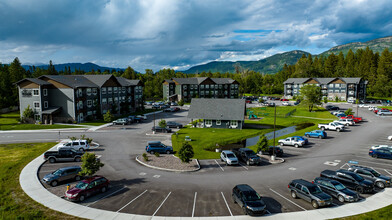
(292, 141)
(334, 126)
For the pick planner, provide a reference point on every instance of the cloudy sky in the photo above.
(178, 34)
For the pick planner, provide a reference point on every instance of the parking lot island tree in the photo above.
(262, 144)
(349, 111)
(162, 123)
(186, 152)
(108, 117)
(311, 96)
(90, 164)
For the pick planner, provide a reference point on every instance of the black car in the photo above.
(249, 200)
(173, 124)
(270, 151)
(331, 107)
(310, 192)
(160, 129)
(336, 189)
(350, 179)
(271, 104)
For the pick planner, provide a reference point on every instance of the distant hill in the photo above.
(87, 67)
(268, 65)
(377, 45)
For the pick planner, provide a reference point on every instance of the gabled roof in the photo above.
(73, 81)
(193, 80)
(355, 80)
(127, 82)
(34, 80)
(223, 80)
(99, 80)
(296, 80)
(325, 80)
(199, 80)
(217, 109)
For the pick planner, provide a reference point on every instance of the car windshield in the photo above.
(249, 153)
(251, 196)
(57, 172)
(230, 155)
(358, 178)
(81, 185)
(375, 173)
(339, 186)
(314, 189)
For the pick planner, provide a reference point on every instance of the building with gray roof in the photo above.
(176, 89)
(78, 98)
(341, 88)
(218, 113)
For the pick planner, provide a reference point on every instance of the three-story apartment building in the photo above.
(63, 98)
(176, 89)
(342, 88)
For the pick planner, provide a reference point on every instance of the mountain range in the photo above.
(267, 65)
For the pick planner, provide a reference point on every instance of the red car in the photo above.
(87, 187)
(284, 100)
(355, 119)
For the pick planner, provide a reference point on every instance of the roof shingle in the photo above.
(217, 109)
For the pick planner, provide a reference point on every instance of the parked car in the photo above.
(270, 151)
(309, 192)
(121, 121)
(390, 137)
(302, 139)
(65, 154)
(285, 103)
(62, 174)
(316, 133)
(247, 156)
(168, 110)
(173, 104)
(340, 115)
(331, 107)
(229, 157)
(156, 106)
(87, 188)
(144, 117)
(332, 126)
(350, 179)
(78, 145)
(271, 104)
(173, 124)
(355, 119)
(384, 112)
(346, 122)
(336, 189)
(291, 141)
(284, 100)
(149, 103)
(160, 129)
(379, 180)
(382, 152)
(157, 146)
(248, 199)
(338, 112)
(165, 106)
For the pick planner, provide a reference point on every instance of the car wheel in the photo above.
(77, 159)
(315, 204)
(232, 197)
(152, 152)
(341, 198)
(296, 145)
(380, 185)
(81, 198)
(81, 149)
(54, 183)
(248, 162)
(178, 126)
(359, 189)
(103, 189)
(293, 194)
(307, 136)
(168, 152)
(374, 155)
(320, 137)
(77, 178)
(347, 124)
(322, 128)
(52, 160)
(338, 129)
(281, 144)
(244, 210)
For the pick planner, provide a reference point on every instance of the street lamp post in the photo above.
(273, 147)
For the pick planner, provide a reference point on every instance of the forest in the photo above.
(374, 67)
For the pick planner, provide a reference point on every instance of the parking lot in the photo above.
(140, 190)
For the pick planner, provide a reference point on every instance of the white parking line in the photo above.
(194, 205)
(227, 204)
(106, 196)
(131, 201)
(219, 165)
(161, 204)
(344, 165)
(269, 213)
(388, 172)
(246, 168)
(288, 200)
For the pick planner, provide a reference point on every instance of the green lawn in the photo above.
(14, 203)
(9, 121)
(387, 107)
(380, 214)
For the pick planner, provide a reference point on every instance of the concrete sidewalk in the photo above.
(31, 185)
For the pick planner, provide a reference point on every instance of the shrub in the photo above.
(156, 154)
(72, 138)
(186, 152)
(83, 137)
(108, 117)
(162, 123)
(181, 102)
(90, 164)
(262, 144)
(349, 112)
(336, 99)
(325, 100)
(145, 157)
(28, 112)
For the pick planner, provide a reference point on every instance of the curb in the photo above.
(171, 170)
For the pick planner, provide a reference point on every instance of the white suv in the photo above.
(79, 145)
(229, 157)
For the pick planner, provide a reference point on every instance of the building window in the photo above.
(218, 122)
(110, 100)
(330, 85)
(115, 89)
(233, 124)
(300, 86)
(89, 113)
(123, 98)
(45, 92)
(36, 105)
(115, 100)
(225, 92)
(361, 85)
(109, 90)
(80, 92)
(330, 91)
(351, 92)
(88, 91)
(216, 86)
(129, 99)
(343, 91)
(104, 111)
(80, 104)
(220, 86)
(104, 101)
(95, 102)
(103, 91)
(295, 91)
(295, 86)
(35, 92)
(94, 112)
(201, 86)
(201, 92)
(208, 123)
(94, 91)
(185, 93)
(37, 117)
(89, 103)
(207, 86)
(46, 104)
(236, 86)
